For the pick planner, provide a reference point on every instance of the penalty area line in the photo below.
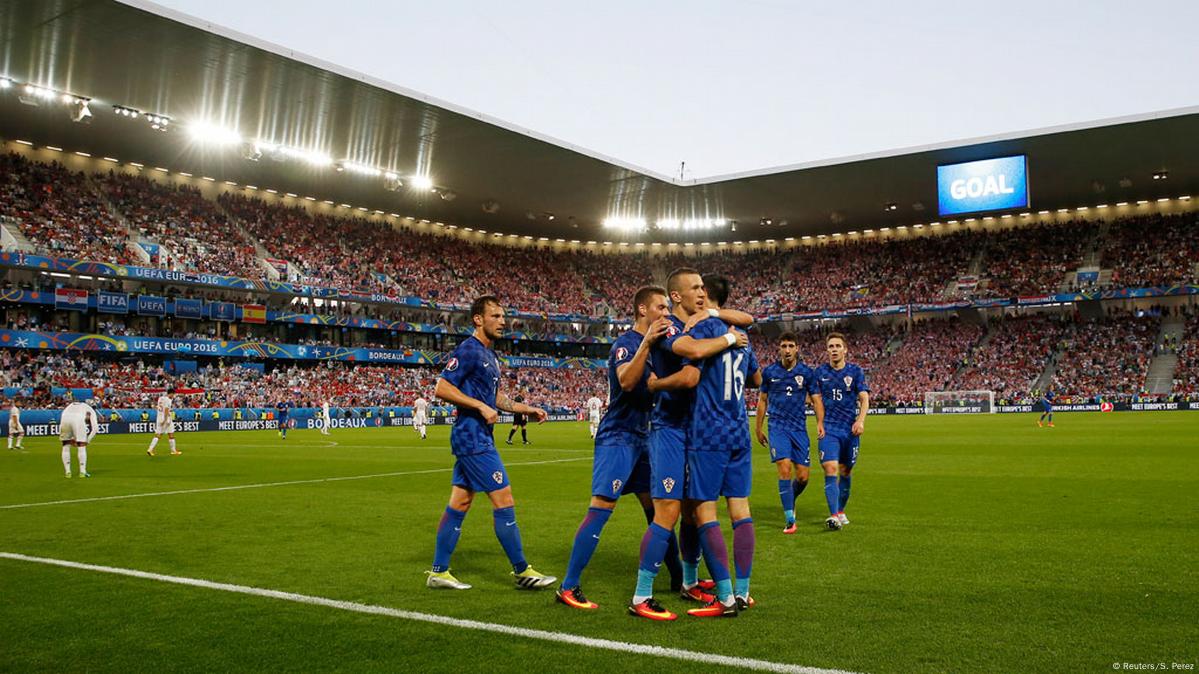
(497, 628)
(261, 485)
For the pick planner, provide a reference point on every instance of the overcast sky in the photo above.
(745, 85)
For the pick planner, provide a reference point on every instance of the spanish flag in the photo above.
(253, 313)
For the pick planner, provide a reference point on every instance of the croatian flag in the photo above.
(70, 298)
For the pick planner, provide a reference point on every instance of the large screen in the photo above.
(985, 185)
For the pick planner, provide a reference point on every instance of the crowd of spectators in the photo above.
(1153, 250)
(1012, 357)
(1033, 260)
(59, 212)
(927, 360)
(1108, 357)
(1186, 373)
(193, 229)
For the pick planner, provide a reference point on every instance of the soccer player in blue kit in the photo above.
(668, 438)
(621, 465)
(846, 399)
(1047, 402)
(469, 381)
(787, 385)
(282, 409)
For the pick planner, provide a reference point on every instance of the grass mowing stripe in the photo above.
(265, 484)
(543, 635)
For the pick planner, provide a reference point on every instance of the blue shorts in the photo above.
(621, 469)
(480, 472)
(840, 448)
(1048, 407)
(715, 474)
(787, 443)
(667, 462)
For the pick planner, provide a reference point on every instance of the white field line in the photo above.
(509, 630)
(262, 485)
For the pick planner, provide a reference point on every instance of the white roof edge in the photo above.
(315, 62)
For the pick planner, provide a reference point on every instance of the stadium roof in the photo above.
(154, 60)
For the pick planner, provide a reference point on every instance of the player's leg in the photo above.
(511, 433)
(744, 540)
(20, 436)
(81, 452)
(830, 452)
(524, 434)
(668, 472)
(706, 472)
(423, 427)
(1050, 413)
(487, 473)
(587, 539)
(10, 435)
(449, 529)
(671, 560)
(171, 442)
(153, 442)
(66, 456)
(786, 471)
(846, 463)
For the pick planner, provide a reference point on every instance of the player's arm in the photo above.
(686, 378)
(508, 405)
(818, 408)
(859, 424)
(761, 419)
(755, 380)
(453, 395)
(691, 348)
(93, 425)
(628, 374)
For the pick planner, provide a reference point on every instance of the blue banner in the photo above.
(986, 185)
(112, 303)
(151, 305)
(187, 308)
(222, 311)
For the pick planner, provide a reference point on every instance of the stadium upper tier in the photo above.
(119, 217)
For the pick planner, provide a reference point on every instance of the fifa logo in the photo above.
(616, 485)
(668, 483)
(498, 477)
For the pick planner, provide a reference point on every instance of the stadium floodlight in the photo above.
(422, 183)
(5, 83)
(360, 169)
(626, 224)
(205, 132)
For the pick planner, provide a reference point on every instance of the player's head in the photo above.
(717, 288)
(650, 304)
(488, 315)
(686, 289)
(788, 347)
(837, 346)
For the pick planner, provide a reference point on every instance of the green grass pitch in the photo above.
(977, 544)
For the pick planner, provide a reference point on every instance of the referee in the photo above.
(520, 421)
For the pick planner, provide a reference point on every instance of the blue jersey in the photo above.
(1048, 397)
(719, 421)
(628, 411)
(672, 408)
(839, 391)
(787, 392)
(283, 408)
(474, 370)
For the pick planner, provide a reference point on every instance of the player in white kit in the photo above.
(326, 421)
(594, 405)
(77, 426)
(15, 429)
(164, 422)
(420, 410)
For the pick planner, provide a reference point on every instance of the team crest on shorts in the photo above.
(498, 477)
(848, 381)
(668, 484)
(616, 485)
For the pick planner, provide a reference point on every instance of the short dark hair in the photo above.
(671, 279)
(718, 288)
(644, 293)
(479, 306)
(836, 335)
(789, 337)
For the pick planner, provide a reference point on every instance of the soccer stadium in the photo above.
(260, 308)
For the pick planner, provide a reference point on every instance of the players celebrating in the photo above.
(469, 382)
(846, 399)
(164, 423)
(621, 464)
(786, 387)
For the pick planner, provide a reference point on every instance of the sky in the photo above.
(721, 88)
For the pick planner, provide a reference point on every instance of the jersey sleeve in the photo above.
(812, 383)
(458, 368)
(622, 352)
(754, 366)
(705, 329)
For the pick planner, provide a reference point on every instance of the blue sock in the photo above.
(844, 487)
(831, 493)
(798, 486)
(653, 549)
(716, 555)
(788, 498)
(671, 561)
(743, 553)
(690, 553)
(586, 540)
(509, 534)
(448, 531)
